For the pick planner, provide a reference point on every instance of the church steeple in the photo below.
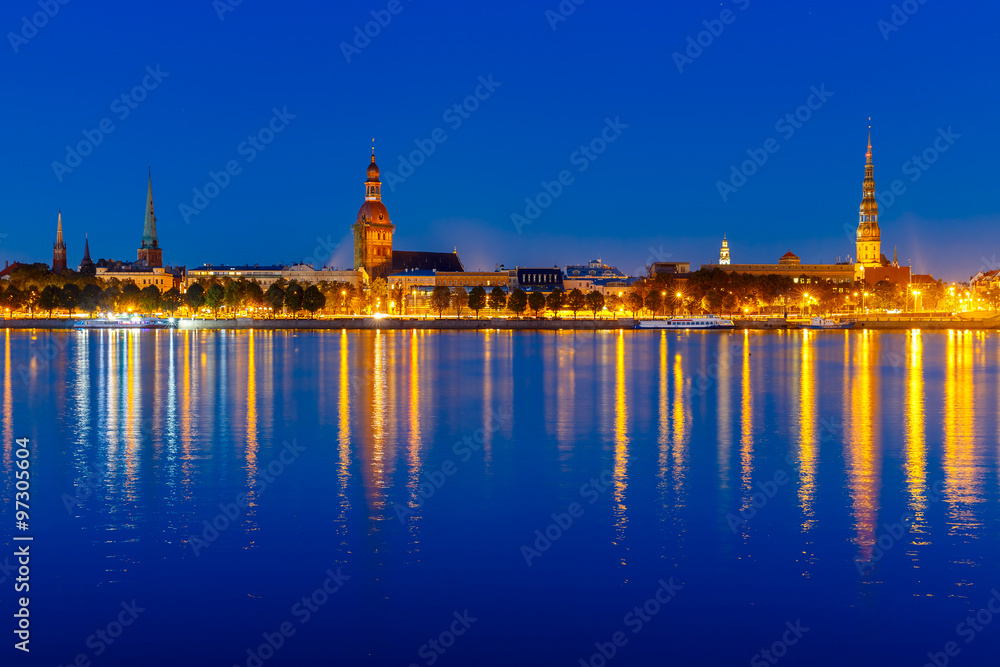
(373, 186)
(59, 248)
(869, 237)
(724, 253)
(149, 227)
(86, 264)
(150, 253)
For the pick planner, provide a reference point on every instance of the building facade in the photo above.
(790, 265)
(724, 252)
(265, 276)
(373, 229)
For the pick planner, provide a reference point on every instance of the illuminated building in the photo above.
(790, 265)
(150, 254)
(724, 252)
(59, 249)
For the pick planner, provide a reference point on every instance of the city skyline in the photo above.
(652, 193)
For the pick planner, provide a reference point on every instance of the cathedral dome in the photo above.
(373, 212)
(373, 171)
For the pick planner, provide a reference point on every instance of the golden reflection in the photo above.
(8, 405)
(916, 453)
(133, 410)
(251, 428)
(621, 445)
(724, 421)
(344, 434)
(187, 398)
(808, 444)
(746, 428)
(378, 460)
(863, 452)
(664, 410)
(414, 449)
(961, 474)
(487, 398)
(680, 429)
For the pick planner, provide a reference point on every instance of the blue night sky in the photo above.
(652, 194)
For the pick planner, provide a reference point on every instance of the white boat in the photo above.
(126, 322)
(706, 322)
(823, 323)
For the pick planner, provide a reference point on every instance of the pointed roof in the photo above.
(59, 235)
(149, 228)
(86, 248)
(868, 155)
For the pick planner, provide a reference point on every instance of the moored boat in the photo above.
(126, 322)
(824, 323)
(705, 322)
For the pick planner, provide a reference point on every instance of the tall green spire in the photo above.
(149, 228)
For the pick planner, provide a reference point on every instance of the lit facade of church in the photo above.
(373, 229)
(869, 237)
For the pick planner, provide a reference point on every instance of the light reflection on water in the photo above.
(866, 425)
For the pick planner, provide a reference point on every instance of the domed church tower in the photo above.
(869, 241)
(373, 229)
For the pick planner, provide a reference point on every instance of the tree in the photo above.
(554, 301)
(595, 302)
(90, 298)
(214, 297)
(728, 302)
(575, 301)
(477, 299)
(171, 300)
(129, 299)
(69, 297)
(713, 301)
(253, 295)
(614, 303)
(293, 298)
(379, 294)
(518, 301)
(653, 301)
(195, 297)
(235, 291)
(110, 297)
(274, 298)
(536, 301)
(12, 299)
(440, 299)
(313, 299)
(49, 299)
(634, 302)
(149, 299)
(498, 299)
(398, 296)
(459, 299)
(348, 293)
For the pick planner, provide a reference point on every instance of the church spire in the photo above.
(59, 248)
(149, 227)
(86, 248)
(869, 237)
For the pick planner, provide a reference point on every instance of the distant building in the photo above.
(539, 280)
(789, 264)
(59, 249)
(594, 269)
(724, 253)
(669, 268)
(265, 276)
(87, 266)
(409, 260)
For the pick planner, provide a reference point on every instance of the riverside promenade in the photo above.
(882, 322)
